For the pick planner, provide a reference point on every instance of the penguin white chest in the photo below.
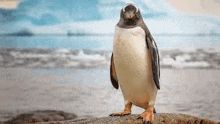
(133, 66)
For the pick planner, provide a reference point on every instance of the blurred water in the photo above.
(187, 41)
(106, 42)
(89, 93)
(75, 42)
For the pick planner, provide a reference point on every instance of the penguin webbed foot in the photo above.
(120, 113)
(147, 116)
(127, 110)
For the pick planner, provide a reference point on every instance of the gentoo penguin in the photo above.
(135, 63)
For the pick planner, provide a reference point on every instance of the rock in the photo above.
(24, 32)
(41, 116)
(132, 119)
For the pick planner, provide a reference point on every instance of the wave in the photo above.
(88, 58)
(43, 57)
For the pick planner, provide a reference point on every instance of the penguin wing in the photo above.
(154, 60)
(113, 75)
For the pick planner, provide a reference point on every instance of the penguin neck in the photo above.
(129, 23)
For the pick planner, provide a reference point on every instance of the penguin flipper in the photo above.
(113, 75)
(155, 61)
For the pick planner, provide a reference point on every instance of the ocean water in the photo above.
(106, 42)
(88, 92)
(74, 42)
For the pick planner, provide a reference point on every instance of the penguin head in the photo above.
(130, 14)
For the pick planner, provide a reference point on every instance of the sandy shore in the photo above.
(88, 92)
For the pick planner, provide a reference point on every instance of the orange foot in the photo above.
(127, 110)
(148, 116)
(121, 113)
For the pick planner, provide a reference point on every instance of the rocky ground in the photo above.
(132, 119)
(40, 116)
(60, 117)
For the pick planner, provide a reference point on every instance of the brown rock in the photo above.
(132, 119)
(41, 116)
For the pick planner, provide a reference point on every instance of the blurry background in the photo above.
(55, 54)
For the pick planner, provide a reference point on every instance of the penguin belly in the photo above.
(133, 66)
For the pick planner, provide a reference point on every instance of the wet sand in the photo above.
(88, 92)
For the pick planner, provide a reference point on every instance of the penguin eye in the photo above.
(123, 10)
(136, 9)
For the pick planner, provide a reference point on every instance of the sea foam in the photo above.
(88, 58)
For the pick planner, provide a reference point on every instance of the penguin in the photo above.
(135, 66)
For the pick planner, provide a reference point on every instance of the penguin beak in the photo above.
(129, 15)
